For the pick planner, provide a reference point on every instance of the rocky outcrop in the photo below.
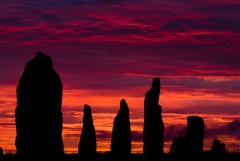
(195, 135)
(121, 133)
(189, 147)
(153, 125)
(218, 148)
(178, 149)
(87, 146)
(38, 113)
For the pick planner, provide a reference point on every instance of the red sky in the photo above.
(108, 50)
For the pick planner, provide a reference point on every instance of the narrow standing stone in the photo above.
(153, 130)
(87, 146)
(121, 133)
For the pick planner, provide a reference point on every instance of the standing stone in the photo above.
(1, 152)
(87, 146)
(178, 149)
(194, 135)
(218, 148)
(38, 113)
(153, 125)
(121, 133)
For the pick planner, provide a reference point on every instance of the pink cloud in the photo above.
(116, 48)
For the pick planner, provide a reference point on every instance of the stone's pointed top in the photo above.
(218, 147)
(216, 141)
(121, 134)
(123, 105)
(39, 53)
(123, 102)
(156, 83)
(44, 59)
(87, 109)
(87, 145)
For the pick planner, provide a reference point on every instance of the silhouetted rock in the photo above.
(121, 133)
(218, 148)
(87, 146)
(178, 149)
(195, 135)
(1, 152)
(153, 125)
(38, 113)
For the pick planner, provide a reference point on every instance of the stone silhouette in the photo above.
(218, 148)
(195, 135)
(153, 129)
(38, 113)
(1, 152)
(190, 146)
(121, 133)
(87, 146)
(178, 149)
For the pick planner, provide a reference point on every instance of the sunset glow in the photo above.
(105, 51)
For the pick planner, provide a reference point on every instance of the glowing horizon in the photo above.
(105, 51)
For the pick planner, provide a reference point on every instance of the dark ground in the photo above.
(139, 157)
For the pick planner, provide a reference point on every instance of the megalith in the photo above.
(195, 135)
(153, 130)
(121, 133)
(38, 115)
(87, 145)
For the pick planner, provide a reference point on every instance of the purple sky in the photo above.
(105, 50)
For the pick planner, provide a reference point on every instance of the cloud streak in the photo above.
(108, 50)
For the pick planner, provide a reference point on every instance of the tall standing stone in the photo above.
(38, 113)
(121, 133)
(195, 135)
(87, 146)
(153, 130)
(1, 152)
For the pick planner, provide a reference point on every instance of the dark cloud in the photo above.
(222, 87)
(137, 136)
(224, 23)
(7, 125)
(73, 2)
(231, 129)
(219, 8)
(179, 25)
(7, 115)
(172, 131)
(103, 134)
(206, 106)
(211, 23)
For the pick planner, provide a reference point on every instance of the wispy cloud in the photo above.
(106, 50)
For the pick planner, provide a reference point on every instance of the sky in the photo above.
(108, 50)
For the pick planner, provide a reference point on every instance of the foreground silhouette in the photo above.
(121, 134)
(38, 113)
(39, 125)
(191, 146)
(87, 146)
(218, 150)
(195, 135)
(178, 149)
(153, 125)
(1, 152)
(105, 156)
